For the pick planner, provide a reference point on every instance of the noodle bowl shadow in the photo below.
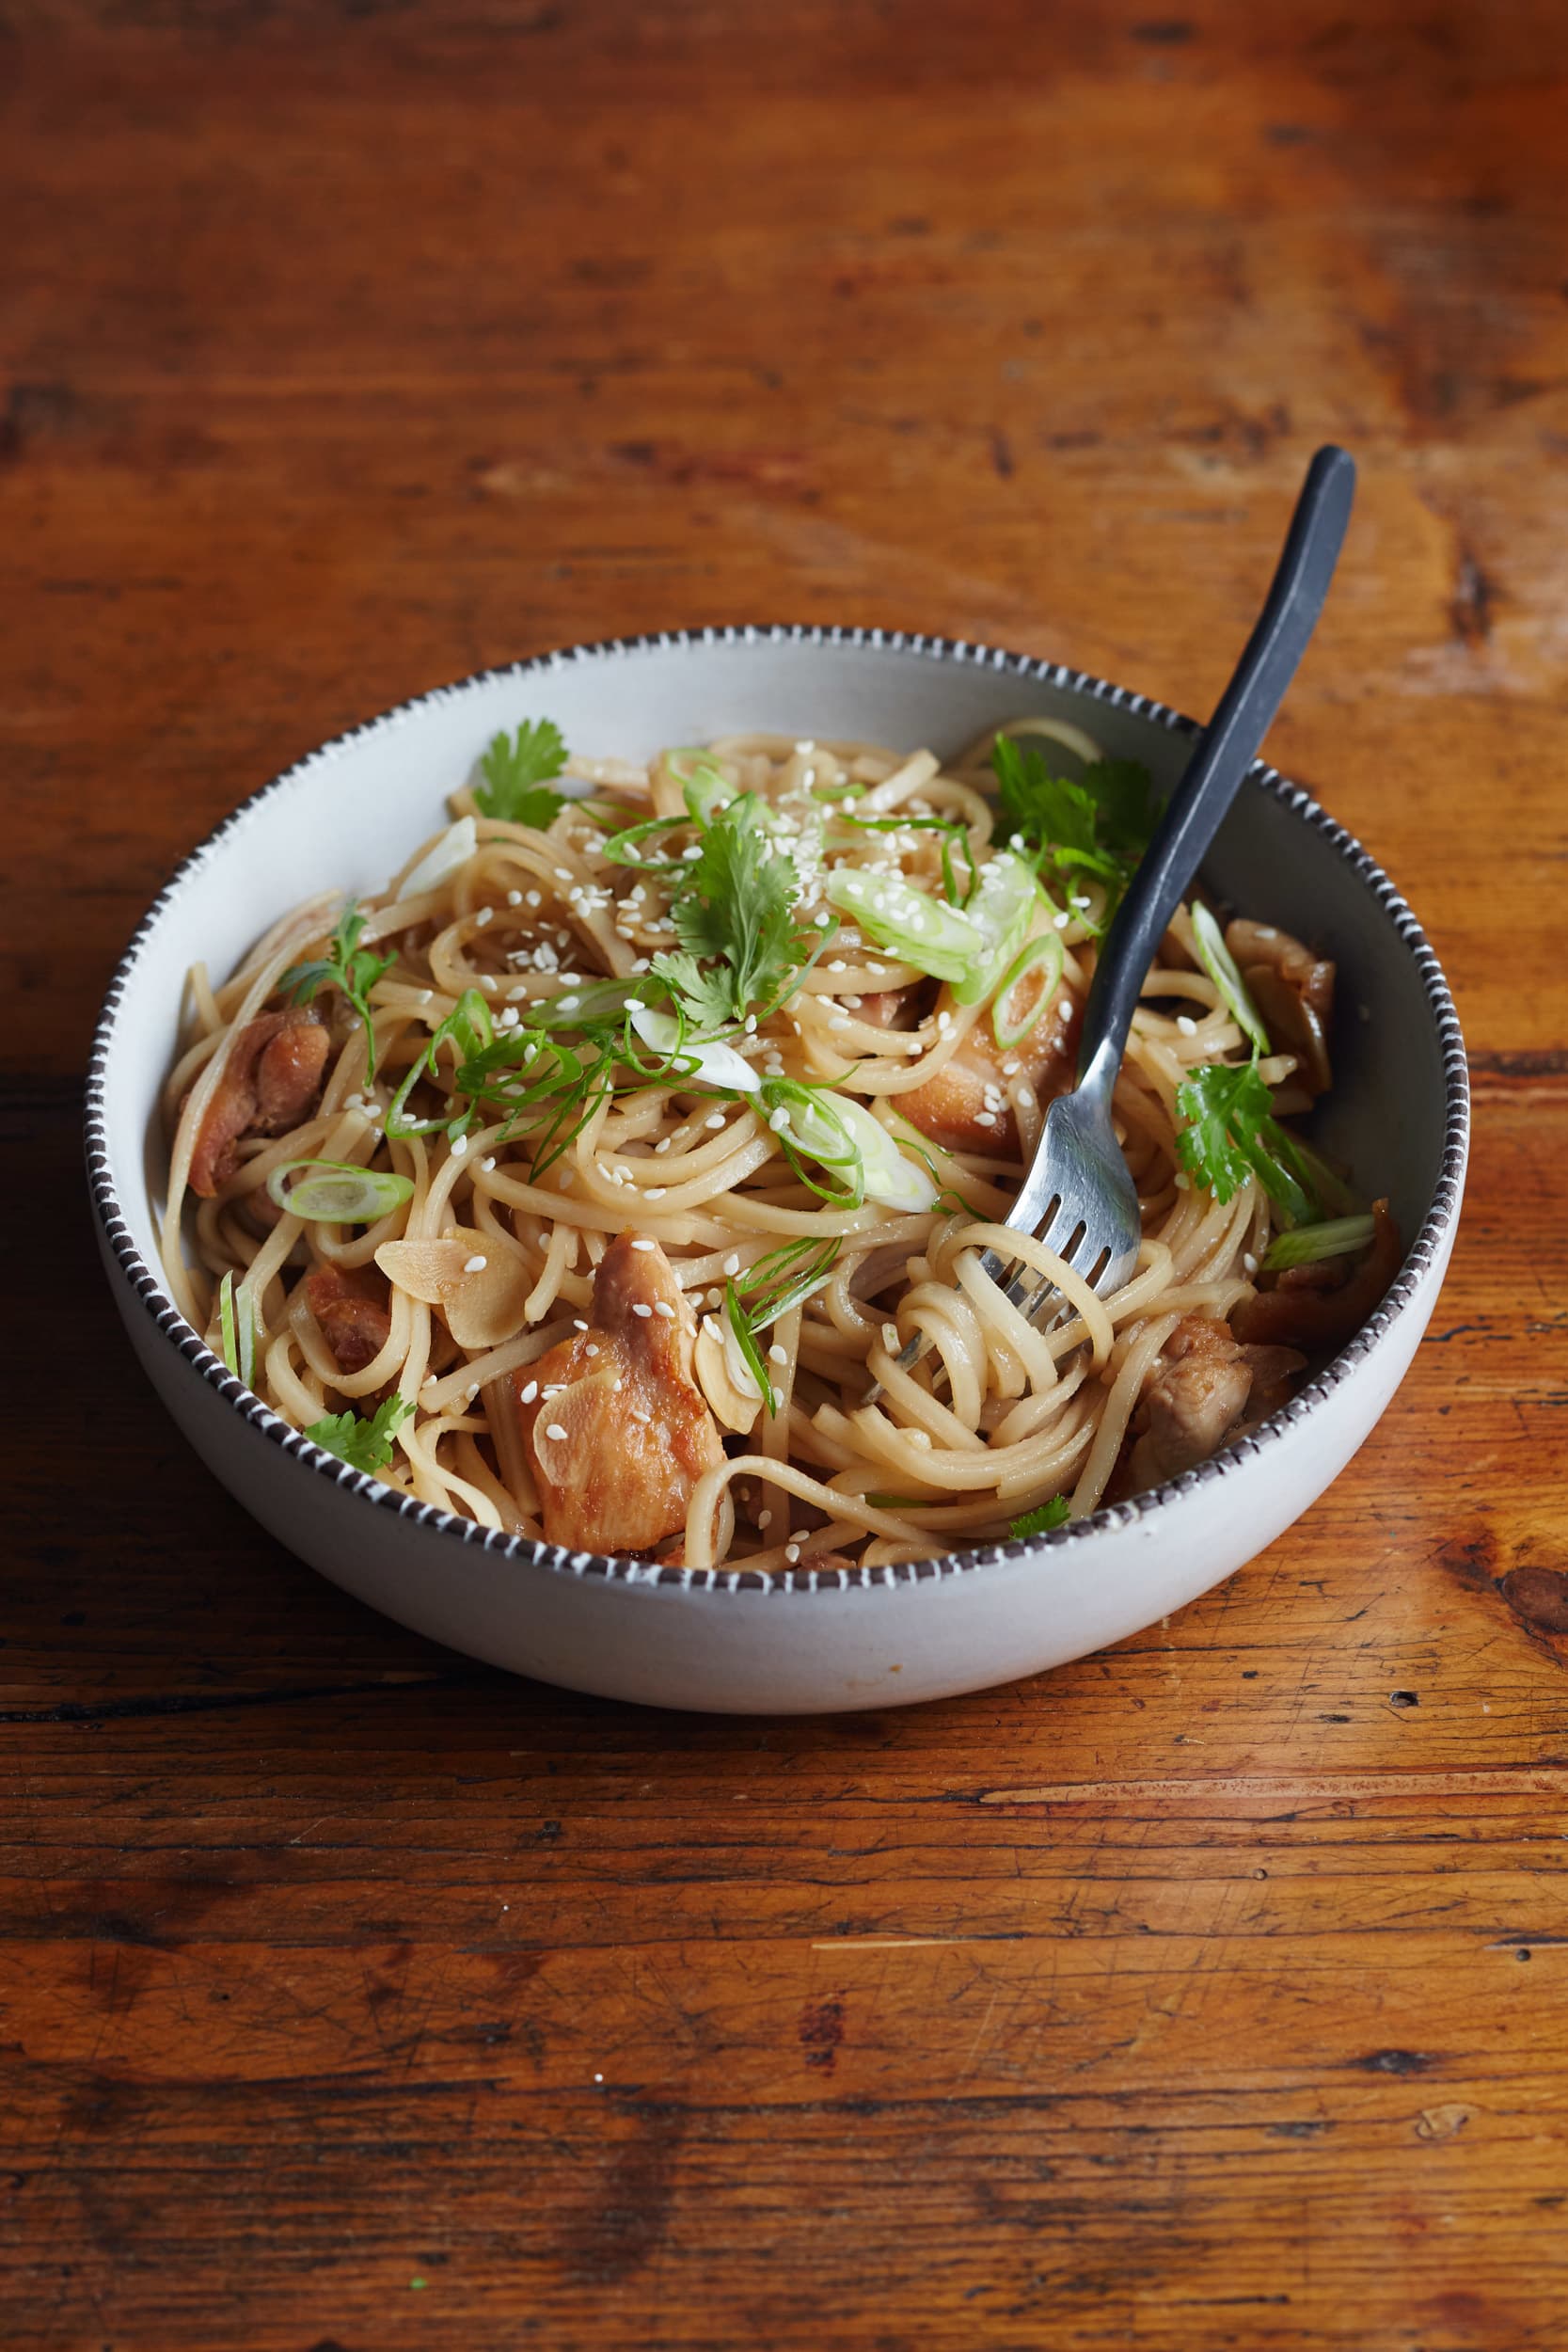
(729, 1640)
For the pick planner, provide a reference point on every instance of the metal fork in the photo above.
(1079, 1197)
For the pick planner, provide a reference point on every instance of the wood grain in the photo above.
(1206, 1994)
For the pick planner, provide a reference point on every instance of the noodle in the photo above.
(508, 1222)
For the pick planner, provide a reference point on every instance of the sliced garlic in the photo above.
(725, 1376)
(482, 1307)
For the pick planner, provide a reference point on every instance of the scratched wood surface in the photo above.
(1206, 1994)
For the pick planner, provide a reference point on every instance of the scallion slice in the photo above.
(1046, 950)
(1336, 1237)
(999, 912)
(1220, 965)
(335, 1192)
(909, 923)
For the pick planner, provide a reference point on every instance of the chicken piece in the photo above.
(965, 1105)
(618, 1447)
(892, 1008)
(1293, 989)
(350, 1304)
(1205, 1383)
(1320, 1306)
(271, 1077)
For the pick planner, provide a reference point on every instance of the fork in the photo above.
(1078, 1197)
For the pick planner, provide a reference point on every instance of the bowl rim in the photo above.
(188, 1344)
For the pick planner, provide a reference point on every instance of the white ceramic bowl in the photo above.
(735, 1641)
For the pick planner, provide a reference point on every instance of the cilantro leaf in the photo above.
(364, 1445)
(1099, 826)
(1044, 1517)
(704, 996)
(516, 775)
(737, 909)
(347, 966)
(1232, 1133)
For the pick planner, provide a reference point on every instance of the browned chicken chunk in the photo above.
(271, 1077)
(1293, 989)
(1320, 1306)
(965, 1105)
(350, 1305)
(1205, 1383)
(614, 1427)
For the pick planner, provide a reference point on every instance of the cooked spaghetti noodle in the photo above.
(529, 1167)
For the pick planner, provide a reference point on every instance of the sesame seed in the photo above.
(488, 1164)
(641, 1242)
(557, 1390)
(778, 1354)
(921, 1438)
(750, 1025)
(471, 1392)
(592, 1348)
(1187, 1025)
(459, 1146)
(525, 1397)
(555, 1431)
(564, 873)
(577, 1323)
(655, 1192)
(663, 1307)
(639, 1309)
(765, 1519)
(486, 914)
(533, 899)
(824, 922)
(732, 1263)
(513, 897)
(779, 1121)
(714, 1121)
(792, 1553)
(475, 1264)
(1061, 921)
(638, 1414)
(1250, 1263)
(985, 1119)
(1182, 1183)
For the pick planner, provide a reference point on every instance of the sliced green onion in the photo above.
(704, 788)
(228, 1344)
(1330, 1186)
(810, 1129)
(953, 832)
(751, 1353)
(1045, 950)
(1220, 965)
(999, 912)
(909, 923)
(710, 1063)
(338, 1193)
(850, 790)
(237, 1325)
(888, 1175)
(1336, 1238)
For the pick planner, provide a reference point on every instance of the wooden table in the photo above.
(1209, 1993)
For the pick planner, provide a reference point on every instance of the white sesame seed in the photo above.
(663, 1307)
(639, 1309)
(750, 1025)
(1187, 1025)
(475, 1264)
(1182, 1183)
(985, 1119)
(577, 1323)
(513, 897)
(779, 1121)
(555, 1431)
(1061, 921)
(642, 1242)
(533, 899)
(527, 1395)
(921, 1438)
(638, 1414)
(1250, 1263)
(792, 1553)
(486, 914)
(459, 1146)
(470, 1391)
(487, 1165)
(1026, 1098)
(732, 1263)
(824, 922)
(655, 1192)
(564, 873)
(714, 1120)
(592, 1348)
(765, 1519)
(778, 1354)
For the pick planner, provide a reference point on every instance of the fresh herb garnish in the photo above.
(364, 1445)
(1232, 1133)
(704, 997)
(770, 1288)
(1042, 1519)
(517, 774)
(348, 966)
(468, 1030)
(737, 911)
(1099, 827)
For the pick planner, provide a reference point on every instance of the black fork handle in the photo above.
(1224, 752)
